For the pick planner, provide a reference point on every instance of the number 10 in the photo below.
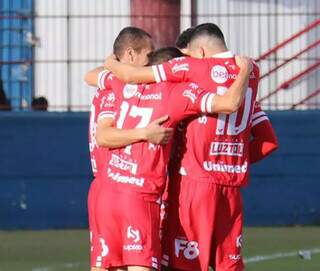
(232, 129)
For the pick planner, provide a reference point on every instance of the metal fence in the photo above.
(58, 41)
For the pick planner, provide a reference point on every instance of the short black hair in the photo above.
(39, 104)
(164, 54)
(130, 37)
(208, 29)
(183, 39)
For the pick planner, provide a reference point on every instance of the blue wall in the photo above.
(45, 172)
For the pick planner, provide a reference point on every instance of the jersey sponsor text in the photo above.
(226, 148)
(120, 163)
(221, 167)
(117, 177)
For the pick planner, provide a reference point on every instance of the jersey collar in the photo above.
(226, 54)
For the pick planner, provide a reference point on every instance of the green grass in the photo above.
(68, 250)
(268, 241)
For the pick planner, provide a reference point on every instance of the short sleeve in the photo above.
(258, 115)
(178, 69)
(107, 81)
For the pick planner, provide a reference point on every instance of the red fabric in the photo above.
(93, 227)
(142, 166)
(128, 226)
(95, 151)
(264, 141)
(205, 226)
(217, 148)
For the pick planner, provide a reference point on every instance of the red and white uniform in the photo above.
(264, 140)
(134, 177)
(218, 146)
(206, 199)
(97, 156)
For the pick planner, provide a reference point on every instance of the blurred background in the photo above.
(45, 49)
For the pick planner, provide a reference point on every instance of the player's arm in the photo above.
(129, 73)
(109, 136)
(176, 70)
(264, 140)
(96, 77)
(233, 97)
(207, 102)
(92, 76)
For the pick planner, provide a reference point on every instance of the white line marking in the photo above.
(65, 265)
(279, 255)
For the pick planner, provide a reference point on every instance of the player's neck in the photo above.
(217, 50)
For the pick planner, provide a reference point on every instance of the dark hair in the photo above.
(208, 29)
(39, 104)
(164, 54)
(130, 37)
(183, 39)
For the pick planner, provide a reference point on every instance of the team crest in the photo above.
(129, 90)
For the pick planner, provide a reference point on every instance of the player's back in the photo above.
(217, 147)
(140, 166)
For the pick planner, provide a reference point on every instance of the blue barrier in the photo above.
(45, 172)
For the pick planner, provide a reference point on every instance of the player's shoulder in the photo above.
(184, 85)
(184, 60)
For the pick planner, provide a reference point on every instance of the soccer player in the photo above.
(131, 46)
(215, 163)
(134, 176)
(182, 42)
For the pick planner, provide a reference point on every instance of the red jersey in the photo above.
(264, 139)
(258, 115)
(217, 147)
(142, 166)
(97, 112)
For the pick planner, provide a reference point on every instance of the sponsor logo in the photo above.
(122, 164)
(224, 148)
(153, 147)
(111, 97)
(151, 96)
(239, 241)
(234, 257)
(108, 100)
(193, 85)
(133, 235)
(132, 247)
(117, 177)
(221, 167)
(219, 74)
(130, 91)
(180, 67)
(189, 249)
(189, 94)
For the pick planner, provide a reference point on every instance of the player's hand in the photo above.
(109, 60)
(157, 134)
(244, 63)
